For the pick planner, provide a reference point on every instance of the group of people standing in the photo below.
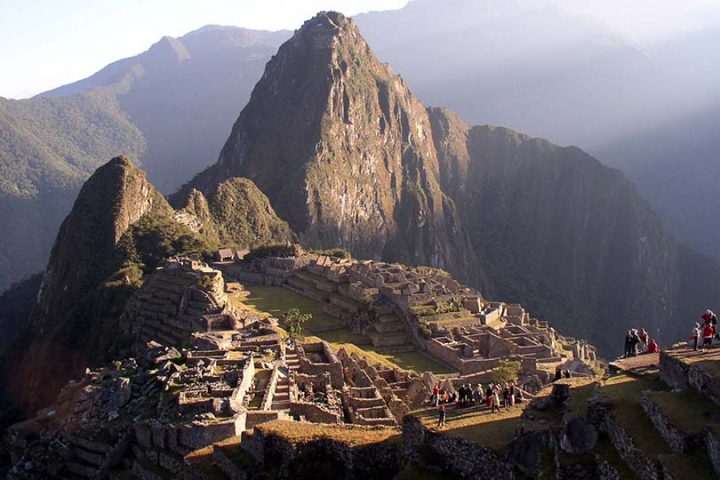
(704, 330)
(639, 342)
(491, 398)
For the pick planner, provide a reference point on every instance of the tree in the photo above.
(293, 321)
(506, 371)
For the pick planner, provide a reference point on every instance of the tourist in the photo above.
(512, 394)
(505, 395)
(488, 395)
(709, 318)
(652, 346)
(519, 395)
(628, 343)
(461, 395)
(634, 341)
(435, 399)
(707, 334)
(642, 344)
(695, 336)
(441, 416)
(495, 402)
(478, 395)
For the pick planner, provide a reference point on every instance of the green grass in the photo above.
(623, 393)
(580, 394)
(688, 466)
(491, 430)
(276, 300)
(687, 410)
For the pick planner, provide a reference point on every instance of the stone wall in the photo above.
(678, 440)
(645, 467)
(679, 374)
(457, 456)
(330, 363)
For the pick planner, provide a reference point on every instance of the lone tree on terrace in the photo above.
(293, 321)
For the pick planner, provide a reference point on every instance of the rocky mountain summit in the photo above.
(348, 156)
(344, 152)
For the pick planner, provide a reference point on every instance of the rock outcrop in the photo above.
(68, 329)
(344, 152)
(235, 213)
(116, 196)
(559, 231)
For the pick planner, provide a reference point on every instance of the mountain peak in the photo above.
(325, 30)
(168, 48)
(343, 151)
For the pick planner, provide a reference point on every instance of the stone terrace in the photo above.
(424, 308)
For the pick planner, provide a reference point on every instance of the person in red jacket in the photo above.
(709, 318)
(708, 332)
(652, 346)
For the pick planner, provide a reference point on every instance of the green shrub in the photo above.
(506, 371)
(337, 252)
(154, 238)
(294, 322)
(206, 282)
(282, 250)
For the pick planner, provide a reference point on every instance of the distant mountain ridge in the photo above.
(170, 107)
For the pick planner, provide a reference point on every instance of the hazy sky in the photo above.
(48, 43)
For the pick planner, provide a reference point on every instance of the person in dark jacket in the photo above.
(628, 342)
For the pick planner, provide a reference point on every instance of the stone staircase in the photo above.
(281, 399)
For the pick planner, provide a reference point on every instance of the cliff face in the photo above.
(84, 287)
(117, 195)
(345, 153)
(559, 231)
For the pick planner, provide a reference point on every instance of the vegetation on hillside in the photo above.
(155, 237)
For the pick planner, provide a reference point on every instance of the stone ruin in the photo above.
(424, 309)
(180, 298)
(203, 371)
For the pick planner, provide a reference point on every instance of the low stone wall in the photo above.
(673, 372)
(712, 445)
(678, 374)
(457, 456)
(198, 435)
(323, 457)
(678, 440)
(645, 468)
(314, 413)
